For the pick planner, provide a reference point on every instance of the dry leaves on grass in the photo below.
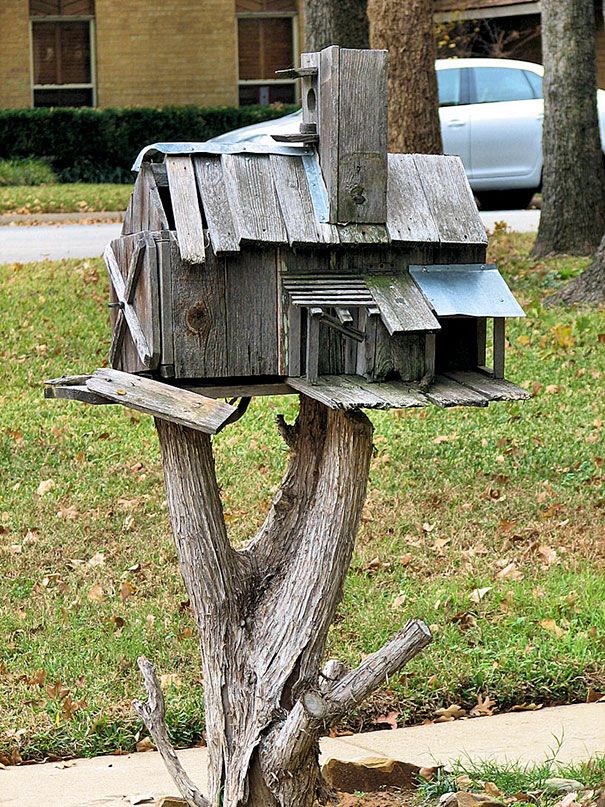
(453, 712)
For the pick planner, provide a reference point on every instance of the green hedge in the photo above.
(100, 145)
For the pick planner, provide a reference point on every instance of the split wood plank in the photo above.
(186, 208)
(445, 393)
(496, 389)
(161, 400)
(402, 305)
(155, 217)
(252, 198)
(450, 199)
(329, 88)
(72, 388)
(294, 198)
(408, 213)
(363, 234)
(222, 226)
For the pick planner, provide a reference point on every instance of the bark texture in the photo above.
(406, 30)
(263, 613)
(586, 289)
(332, 22)
(573, 203)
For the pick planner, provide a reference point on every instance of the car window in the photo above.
(449, 82)
(500, 84)
(535, 81)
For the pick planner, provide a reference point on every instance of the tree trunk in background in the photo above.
(406, 30)
(588, 288)
(573, 203)
(334, 22)
(263, 612)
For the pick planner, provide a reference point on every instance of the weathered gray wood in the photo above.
(186, 208)
(252, 198)
(362, 138)
(329, 83)
(295, 200)
(309, 63)
(363, 234)
(165, 285)
(402, 305)
(409, 216)
(354, 392)
(155, 217)
(72, 388)
(481, 341)
(294, 340)
(408, 355)
(160, 174)
(199, 317)
(312, 348)
(241, 390)
(494, 389)
(251, 313)
(161, 400)
(430, 355)
(450, 199)
(135, 287)
(222, 228)
(499, 346)
(445, 393)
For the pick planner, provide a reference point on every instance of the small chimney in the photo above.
(345, 96)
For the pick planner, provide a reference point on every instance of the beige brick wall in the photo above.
(15, 81)
(174, 52)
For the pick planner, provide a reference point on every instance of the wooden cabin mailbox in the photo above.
(322, 263)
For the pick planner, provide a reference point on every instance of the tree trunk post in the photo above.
(263, 612)
(407, 31)
(573, 197)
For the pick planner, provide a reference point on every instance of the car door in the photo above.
(453, 84)
(505, 129)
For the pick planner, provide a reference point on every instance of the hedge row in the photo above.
(100, 145)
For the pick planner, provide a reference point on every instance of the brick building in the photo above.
(113, 53)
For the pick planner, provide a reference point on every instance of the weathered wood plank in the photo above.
(199, 317)
(294, 199)
(222, 227)
(363, 234)
(445, 393)
(242, 390)
(161, 400)
(354, 392)
(155, 217)
(408, 213)
(252, 198)
(401, 303)
(495, 389)
(450, 199)
(329, 78)
(251, 313)
(72, 388)
(499, 346)
(362, 142)
(186, 208)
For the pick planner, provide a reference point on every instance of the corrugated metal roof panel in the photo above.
(474, 290)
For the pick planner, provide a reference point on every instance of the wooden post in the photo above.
(353, 133)
(263, 612)
(499, 345)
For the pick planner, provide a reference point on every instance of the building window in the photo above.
(267, 41)
(62, 34)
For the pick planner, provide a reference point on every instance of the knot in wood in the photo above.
(357, 193)
(198, 319)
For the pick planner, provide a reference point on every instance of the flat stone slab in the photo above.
(526, 737)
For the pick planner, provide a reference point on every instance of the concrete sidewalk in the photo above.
(525, 737)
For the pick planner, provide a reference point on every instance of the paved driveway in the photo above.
(26, 244)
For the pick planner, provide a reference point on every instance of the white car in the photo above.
(491, 113)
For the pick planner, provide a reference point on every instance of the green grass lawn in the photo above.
(508, 499)
(67, 198)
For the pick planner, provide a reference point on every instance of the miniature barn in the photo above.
(321, 265)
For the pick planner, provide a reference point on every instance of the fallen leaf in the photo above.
(492, 789)
(146, 744)
(526, 707)
(593, 696)
(68, 512)
(45, 487)
(65, 764)
(389, 719)
(548, 554)
(479, 593)
(511, 572)
(428, 527)
(98, 559)
(96, 593)
(399, 600)
(551, 626)
(453, 712)
(126, 591)
(485, 708)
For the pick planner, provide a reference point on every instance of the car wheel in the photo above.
(518, 199)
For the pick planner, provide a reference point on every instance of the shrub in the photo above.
(100, 145)
(27, 171)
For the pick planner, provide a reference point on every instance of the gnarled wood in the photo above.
(263, 613)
